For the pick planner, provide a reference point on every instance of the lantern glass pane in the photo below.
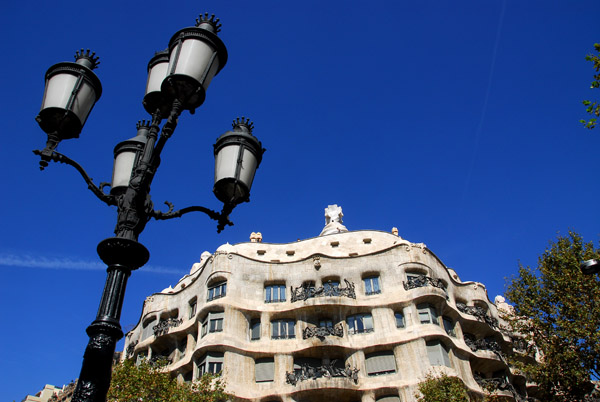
(156, 75)
(123, 168)
(226, 162)
(58, 91)
(193, 61)
(249, 164)
(85, 100)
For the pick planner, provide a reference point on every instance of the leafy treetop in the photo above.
(557, 310)
(593, 107)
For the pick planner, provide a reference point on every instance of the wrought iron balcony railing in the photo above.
(164, 326)
(478, 312)
(306, 292)
(420, 281)
(482, 344)
(312, 372)
(322, 332)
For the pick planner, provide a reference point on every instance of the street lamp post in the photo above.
(177, 80)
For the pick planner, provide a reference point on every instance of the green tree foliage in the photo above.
(557, 310)
(442, 389)
(150, 382)
(593, 107)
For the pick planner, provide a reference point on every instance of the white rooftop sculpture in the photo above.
(333, 220)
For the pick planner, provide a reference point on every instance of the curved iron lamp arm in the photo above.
(221, 217)
(58, 157)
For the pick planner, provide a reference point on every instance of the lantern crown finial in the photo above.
(87, 59)
(143, 124)
(209, 23)
(243, 124)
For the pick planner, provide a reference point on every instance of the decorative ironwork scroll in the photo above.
(482, 344)
(502, 384)
(163, 326)
(130, 349)
(308, 372)
(159, 359)
(420, 281)
(322, 332)
(520, 345)
(478, 312)
(306, 291)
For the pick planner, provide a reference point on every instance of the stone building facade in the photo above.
(348, 315)
(43, 395)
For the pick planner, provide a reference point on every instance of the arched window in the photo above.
(283, 329)
(217, 290)
(372, 285)
(264, 369)
(360, 323)
(274, 293)
(211, 362)
(380, 363)
(438, 353)
(399, 319)
(427, 314)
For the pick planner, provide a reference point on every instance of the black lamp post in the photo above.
(177, 80)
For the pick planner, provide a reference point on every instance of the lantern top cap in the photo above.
(87, 59)
(143, 124)
(243, 124)
(209, 23)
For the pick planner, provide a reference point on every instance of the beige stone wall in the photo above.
(352, 256)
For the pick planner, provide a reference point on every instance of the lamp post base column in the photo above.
(122, 256)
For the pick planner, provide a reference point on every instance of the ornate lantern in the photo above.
(237, 156)
(127, 155)
(196, 55)
(157, 71)
(71, 91)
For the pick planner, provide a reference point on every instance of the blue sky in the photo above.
(457, 122)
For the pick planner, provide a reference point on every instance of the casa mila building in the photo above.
(348, 315)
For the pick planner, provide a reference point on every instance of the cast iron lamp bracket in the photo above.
(221, 217)
(98, 191)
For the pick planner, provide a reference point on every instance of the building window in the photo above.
(359, 323)
(211, 362)
(147, 327)
(254, 330)
(438, 354)
(427, 314)
(217, 291)
(399, 320)
(182, 345)
(141, 356)
(325, 323)
(372, 285)
(274, 293)
(264, 370)
(413, 276)
(448, 325)
(331, 287)
(213, 323)
(283, 329)
(193, 305)
(380, 363)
